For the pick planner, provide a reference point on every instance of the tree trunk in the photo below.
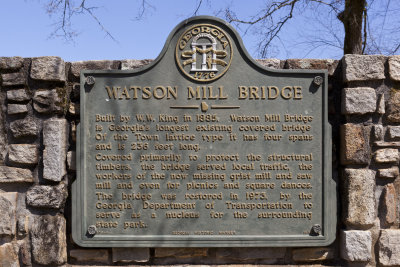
(352, 19)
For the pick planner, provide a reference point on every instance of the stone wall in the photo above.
(39, 100)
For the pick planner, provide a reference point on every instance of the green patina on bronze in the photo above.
(242, 205)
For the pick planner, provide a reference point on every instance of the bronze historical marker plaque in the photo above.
(204, 147)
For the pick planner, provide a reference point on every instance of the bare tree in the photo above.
(65, 11)
(353, 14)
(360, 35)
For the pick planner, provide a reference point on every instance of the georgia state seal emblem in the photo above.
(204, 52)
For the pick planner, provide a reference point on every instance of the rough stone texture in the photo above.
(71, 160)
(129, 64)
(75, 92)
(46, 196)
(130, 254)
(392, 172)
(360, 100)
(48, 101)
(15, 175)
(389, 204)
(73, 131)
(393, 106)
(316, 64)
(354, 144)
(378, 132)
(90, 255)
(77, 66)
(272, 63)
(250, 253)
(394, 67)
(48, 240)
(24, 128)
(13, 109)
(11, 63)
(387, 155)
(18, 95)
(8, 256)
(356, 245)
(381, 104)
(389, 247)
(74, 109)
(23, 225)
(394, 131)
(48, 69)
(13, 79)
(359, 197)
(55, 140)
(23, 154)
(8, 206)
(363, 67)
(357, 154)
(181, 252)
(25, 252)
(3, 130)
(313, 254)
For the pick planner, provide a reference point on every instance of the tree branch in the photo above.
(364, 45)
(64, 24)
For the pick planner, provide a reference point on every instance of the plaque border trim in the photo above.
(329, 200)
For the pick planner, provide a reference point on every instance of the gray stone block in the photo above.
(126, 255)
(389, 205)
(272, 63)
(361, 100)
(46, 196)
(49, 101)
(129, 64)
(387, 155)
(363, 67)
(393, 106)
(27, 127)
(8, 255)
(18, 95)
(11, 63)
(389, 247)
(8, 207)
(391, 172)
(77, 66)
(394, 131)
(354, 144)
(13, 79)
(23, 154)
(15, 175)
(359, 197)
(55, 140)
(355, 245)
(394, 67)
(315, 64)
(14, 109)
(48, 69)
(48, 240)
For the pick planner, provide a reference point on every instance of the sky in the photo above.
(27, 27)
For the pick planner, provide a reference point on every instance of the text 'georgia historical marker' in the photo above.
(204, 147)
